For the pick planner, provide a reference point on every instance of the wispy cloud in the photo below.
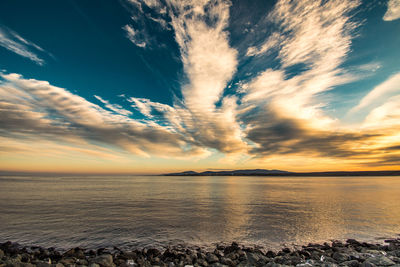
(275, 113)
(393, 10)
(33, 109)
(15, 43)
(147, 16)
(391, 85)
(385, 115)
(134, 36)
(283, 112)
(271, 43)
(209, 64)
(114, 107)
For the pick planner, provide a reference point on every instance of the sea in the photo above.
(157, 211)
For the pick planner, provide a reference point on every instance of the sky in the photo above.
(155, 86)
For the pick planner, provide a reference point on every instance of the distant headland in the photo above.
(262, 172)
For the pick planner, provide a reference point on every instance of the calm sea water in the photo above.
(156, 211)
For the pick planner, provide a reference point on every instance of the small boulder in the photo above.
(352, 263)
(211, 258)
(381, 261)
(340, 257)
(104, 260)
(367, 264)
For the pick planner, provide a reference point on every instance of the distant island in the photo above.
(262, 172)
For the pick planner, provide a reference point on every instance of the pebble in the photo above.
(352, 253)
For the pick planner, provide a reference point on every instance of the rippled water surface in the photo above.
(157, 211)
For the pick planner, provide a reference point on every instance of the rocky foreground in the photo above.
(351, 253)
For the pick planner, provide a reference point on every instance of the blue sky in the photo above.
(159, 85)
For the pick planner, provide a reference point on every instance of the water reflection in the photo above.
(138, 211)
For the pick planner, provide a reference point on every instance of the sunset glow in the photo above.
(148, 87)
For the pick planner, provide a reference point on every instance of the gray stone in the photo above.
(227, 261)
(303, 264)
(256, 257)
(273, 264)
(381, 261)
(217, 264)
(43, 264)
(211, 258)
(367, 264)
(104, 260)
(340, 257)
(19, 264)
(1, 254)
(68, 261)
(202, 262)
(329, 264)
(232, 256)
(375, 252)
(352, 263)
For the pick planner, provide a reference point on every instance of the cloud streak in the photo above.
(32, 109)
(276, 111)
(134, 36)
(393, 10)
(391, 85)
(13, 42)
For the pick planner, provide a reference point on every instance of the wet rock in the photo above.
(232, 256)
(202, 262)
(153, 252)
(395, 259)
(220, 247)
(393, 246)
(256, 258)
(104, 260)
(217, 264)
(201, 255)
(218, 253)
(273, 264)
(227, 261)
(307, 263)
(43, 264)
(340, 257)
(22, 264)
(352, 263)
(337, 244)
(74, 253)
(367, 264)
(353, 242)
(91, 252)
(245, 264)
(381, 261)
(82, 262)
(329, 264)
(232, 248)
(305, 253)
(270, 254)
(294, 260)
(169, 254)
(68, 261)
(211, 258)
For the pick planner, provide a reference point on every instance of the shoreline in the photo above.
(351, 253)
